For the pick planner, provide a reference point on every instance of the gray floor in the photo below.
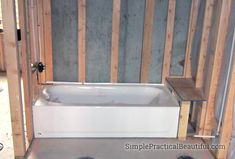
(5, 120)
(109, 149)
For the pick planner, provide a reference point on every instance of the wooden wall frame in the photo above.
(199, 109)
(26, 74)
(13, 76)
(217, 63)
(227, 125)
(43, 43)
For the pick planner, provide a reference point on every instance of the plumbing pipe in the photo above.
(204, 136)
(31, 9)
(226, 85)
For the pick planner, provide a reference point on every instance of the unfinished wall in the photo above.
(99, 35)
(228, 59)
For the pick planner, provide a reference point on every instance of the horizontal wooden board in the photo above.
(185, 89)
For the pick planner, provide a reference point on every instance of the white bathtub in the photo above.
(105, 111)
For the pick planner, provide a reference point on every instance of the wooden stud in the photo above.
(82, 40)
(191, 31)
(48, 39)
(204, 43)
(207, 22)
(194, 113)
(13, 76)
(42, 76)
(33, 43)
(200, 119)
(26, 71)
(227, 124)
(147, 40)
(33, 31)
(216, 66)
(168, 40)
(183, 120)
(115, 40)
(2, 61)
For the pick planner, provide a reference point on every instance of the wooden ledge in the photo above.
(185, 89)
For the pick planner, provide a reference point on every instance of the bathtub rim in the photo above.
(163, 86)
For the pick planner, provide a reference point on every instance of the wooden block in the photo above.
(185, 89)
(200, 117)
(181, 82)
(183, 120)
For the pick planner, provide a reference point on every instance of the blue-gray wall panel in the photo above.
(182, 13)
(131, 34)
(64, 40)
(99, 35)
(158, 40)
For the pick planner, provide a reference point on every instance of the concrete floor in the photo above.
(85, 148)
(109, 149)
(5, 121)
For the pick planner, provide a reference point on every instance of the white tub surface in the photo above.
(93, 110)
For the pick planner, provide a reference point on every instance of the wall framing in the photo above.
(43, 40)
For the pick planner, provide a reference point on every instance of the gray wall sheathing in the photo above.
(197, 38)
(131, 34)
(99, 36)
(158, 40)
(64, 40)
(182, 14)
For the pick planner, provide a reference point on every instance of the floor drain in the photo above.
(87, 157)
(185, 157)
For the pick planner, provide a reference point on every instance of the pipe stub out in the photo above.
(185, 157)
